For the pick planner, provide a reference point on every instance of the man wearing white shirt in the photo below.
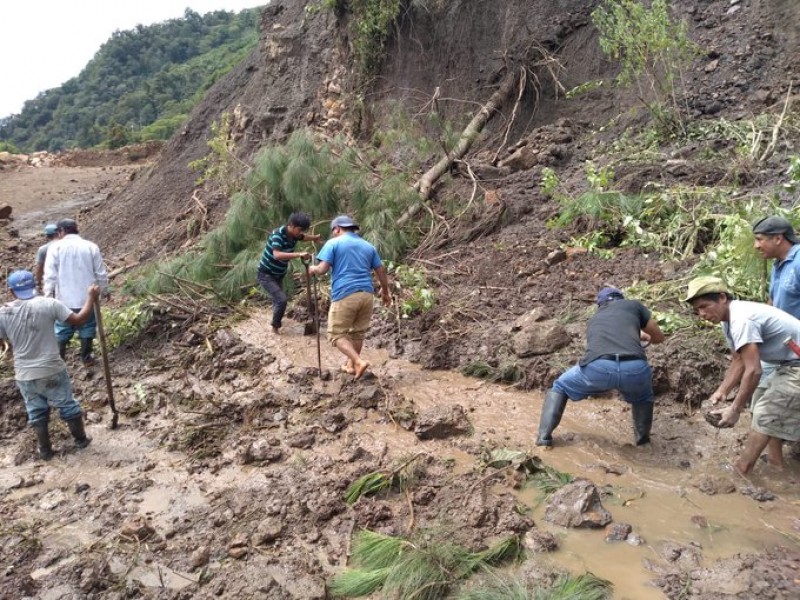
(71, 266)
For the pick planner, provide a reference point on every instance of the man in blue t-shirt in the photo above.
(351, 260)
(275, 261)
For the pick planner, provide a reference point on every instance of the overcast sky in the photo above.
(47, 42)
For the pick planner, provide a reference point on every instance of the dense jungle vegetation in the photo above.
(141, 84)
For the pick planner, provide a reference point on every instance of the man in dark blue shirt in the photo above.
(275, 261)
(614, 360)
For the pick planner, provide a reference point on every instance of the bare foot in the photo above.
(276, 330)
(348, 368)
(361, 368)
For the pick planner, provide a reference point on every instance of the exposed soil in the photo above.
(226, 477)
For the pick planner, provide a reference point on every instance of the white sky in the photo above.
(47, 42)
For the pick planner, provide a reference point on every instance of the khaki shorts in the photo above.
(777, 412)
(350, 317)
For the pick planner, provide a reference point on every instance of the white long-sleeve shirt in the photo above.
(71, 266)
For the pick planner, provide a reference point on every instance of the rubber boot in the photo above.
(552, 410)
(78, 432)
(642, 413)
(62, 349)
(43, 436)
(86, 352)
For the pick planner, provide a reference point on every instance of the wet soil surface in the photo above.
(227, 473)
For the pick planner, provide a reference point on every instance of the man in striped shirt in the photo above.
(275, 261)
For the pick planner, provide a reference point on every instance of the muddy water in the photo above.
(654, 492)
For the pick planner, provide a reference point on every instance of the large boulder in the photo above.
(442, 422)
(534, 335)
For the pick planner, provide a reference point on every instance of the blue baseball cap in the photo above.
(343, 221)
(609, 293)
(50, 229)
(22, 284)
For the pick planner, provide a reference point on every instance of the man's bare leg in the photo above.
(348, 347)
(756, 442)
(775, 453)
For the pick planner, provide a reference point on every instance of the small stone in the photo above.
(237, 552)
(200, 556)
(618, 532)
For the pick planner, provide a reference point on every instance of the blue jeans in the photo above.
(56, 391)
(274, 287)
(87, 331)
(633, 379)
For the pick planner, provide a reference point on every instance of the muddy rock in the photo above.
(52, 499)
(539, 337)
(369, 396)
(200, 557)
(714, 485)
(577, 504)
(442, 422)
(618, 532)
(267, 531)
(262, 450)
(5, 212)
(758, 494)
(302, 439)
(137, 529)
(537, 541)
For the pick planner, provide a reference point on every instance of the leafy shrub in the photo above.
(125, 323)
(412, 288)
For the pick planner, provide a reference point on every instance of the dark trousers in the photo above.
(274, 287)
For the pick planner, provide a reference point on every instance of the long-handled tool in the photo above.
(310, 327)
(106, 368)
(316, 325)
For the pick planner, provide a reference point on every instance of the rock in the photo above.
(555, 257)
(5, 212)
(334, 422)
(758, 494)
(540, 338)
(302, 439)
(81, 487)
(712, 66)
(200, 557)
(237, 552)
(635, 540)
(136, 528)
(523, 159)
(52, 499)
(369, 396)
(538, 541)
(261, 451)
(714, 485)
(267, 531)
(618, 532)
(442, 422)
(577, 504)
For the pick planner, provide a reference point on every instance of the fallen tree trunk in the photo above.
(469, 135)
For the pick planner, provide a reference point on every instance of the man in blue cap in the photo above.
(41, 374)
(50, 233)
(351, 260)
(614, 360)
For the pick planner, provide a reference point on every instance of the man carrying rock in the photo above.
(615, 360)
(50, 233)
(40, 372)
(755, 332)
(71, 266)
(351, 260)
(275, 261)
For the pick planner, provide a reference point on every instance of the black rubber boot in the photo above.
(78, 432)
(43, 436)
(552, 410)
(62, 349)
(642, 421)
(86, 352)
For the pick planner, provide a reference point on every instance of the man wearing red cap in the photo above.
(40, 372)
(614, 360)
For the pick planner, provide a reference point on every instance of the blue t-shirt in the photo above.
(352, 260)
(784, 287)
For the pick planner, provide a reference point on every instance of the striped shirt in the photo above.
(278, 240)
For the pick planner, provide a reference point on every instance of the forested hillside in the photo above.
(141, 84)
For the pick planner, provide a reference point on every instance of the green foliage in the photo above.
(8, 147)
(411, 287)
(651, 47)
(583, 88)
(137, 78)
(549, 480)
(125, 323)
(550, 182)
(504, 373)
(322, 180)
(220, 164)
(424, 568)
(567, 587)
(367, 485)
(794, 174)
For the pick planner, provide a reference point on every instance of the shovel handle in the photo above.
(98, 315)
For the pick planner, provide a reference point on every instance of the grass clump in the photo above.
(549, 480)
(402, 478)
(424, 569)
(505, 373)
(568, 587)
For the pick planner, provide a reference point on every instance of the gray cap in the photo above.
(776, 226)
(343, 221)
(67, 226)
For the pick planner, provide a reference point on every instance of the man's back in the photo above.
(352, 261)
(615, 329)
(72, 265)
(28, 325)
